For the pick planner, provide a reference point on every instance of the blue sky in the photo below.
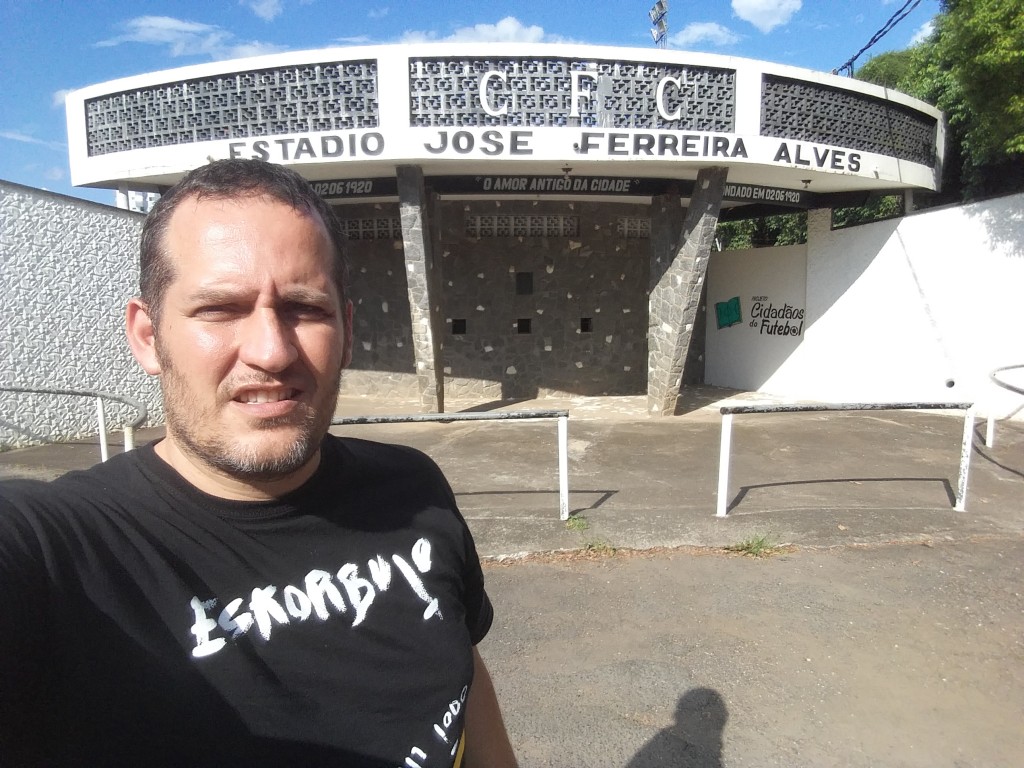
(52, 46)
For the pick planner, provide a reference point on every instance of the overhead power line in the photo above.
(896, 18)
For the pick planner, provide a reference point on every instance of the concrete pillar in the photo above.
(678, 266)
(424, 288)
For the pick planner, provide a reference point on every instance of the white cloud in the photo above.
(923, 32)
(241, 50)
(766, 15)
(25, 138)
(268, 10)
(53, 173)
(186, 38)
(703, 32)
(508, 30)
(378, 13)
(357, 40)
(57, 100)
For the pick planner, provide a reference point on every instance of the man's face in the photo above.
(252, 337)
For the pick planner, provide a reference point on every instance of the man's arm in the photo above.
(23, 638)
(487, 744)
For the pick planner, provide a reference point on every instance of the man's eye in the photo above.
(306, 311)
(217, 311)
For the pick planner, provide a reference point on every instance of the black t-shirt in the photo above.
(143, 622)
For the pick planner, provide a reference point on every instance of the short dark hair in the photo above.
(228, 180)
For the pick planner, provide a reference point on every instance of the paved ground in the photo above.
(890, 633)
(894, 655)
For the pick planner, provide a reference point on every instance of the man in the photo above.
(249, 590)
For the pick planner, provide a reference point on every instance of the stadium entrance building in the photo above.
(526, 220)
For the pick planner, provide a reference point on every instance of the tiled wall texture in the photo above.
(67, 267)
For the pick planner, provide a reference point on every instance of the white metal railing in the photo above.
(444, 418)
(101, 416)
(729, 411)
(990, 427)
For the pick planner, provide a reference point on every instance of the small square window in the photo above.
(458, 326)
(586, 324)
(524, 283)
(523, 325)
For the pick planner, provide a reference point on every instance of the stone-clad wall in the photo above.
(598, 274)
(383, 361)
(67, 267)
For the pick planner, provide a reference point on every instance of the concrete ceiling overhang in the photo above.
(513, 120)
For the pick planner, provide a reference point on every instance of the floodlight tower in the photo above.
(659, 23)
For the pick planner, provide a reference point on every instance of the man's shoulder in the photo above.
(382, 470)
(77, 488)
(370, 456)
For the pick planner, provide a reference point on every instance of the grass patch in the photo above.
(599, 549)
(577, 523)
(756, 546)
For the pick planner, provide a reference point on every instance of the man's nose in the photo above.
(267, 342)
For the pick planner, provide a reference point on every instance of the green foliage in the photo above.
(893, 69)
(599, 549)
(972, 68)
(876, 209)
(756, 546)
(982, 44)
(764, 232)
(577, 523)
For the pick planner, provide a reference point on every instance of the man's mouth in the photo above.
(266, 395)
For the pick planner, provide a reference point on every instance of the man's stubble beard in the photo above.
(242, 461)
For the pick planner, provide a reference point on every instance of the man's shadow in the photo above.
(694, 740)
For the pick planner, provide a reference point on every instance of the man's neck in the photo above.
(215, 482)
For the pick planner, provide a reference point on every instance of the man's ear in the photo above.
(142, 336)
(346, 356)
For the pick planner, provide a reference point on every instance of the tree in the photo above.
(982, 44)
(877, 208)
(763, 232)
(892, 69)
(972, 68)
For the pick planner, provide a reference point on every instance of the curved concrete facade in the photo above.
(525, 219)
(359, 113)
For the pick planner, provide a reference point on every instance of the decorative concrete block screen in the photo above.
(539, 91)
(523, 225)
(69, 266)
(328, 96)
(793, 109)
(372, 228)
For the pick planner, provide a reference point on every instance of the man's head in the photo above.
(229, 180)
(243, 316)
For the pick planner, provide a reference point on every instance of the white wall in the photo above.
(747, 355)
(895, 309)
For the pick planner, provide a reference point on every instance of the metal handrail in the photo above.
(101, 417)
(990, 427)
(730, 410)
(1003, 384)
(446, 418)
